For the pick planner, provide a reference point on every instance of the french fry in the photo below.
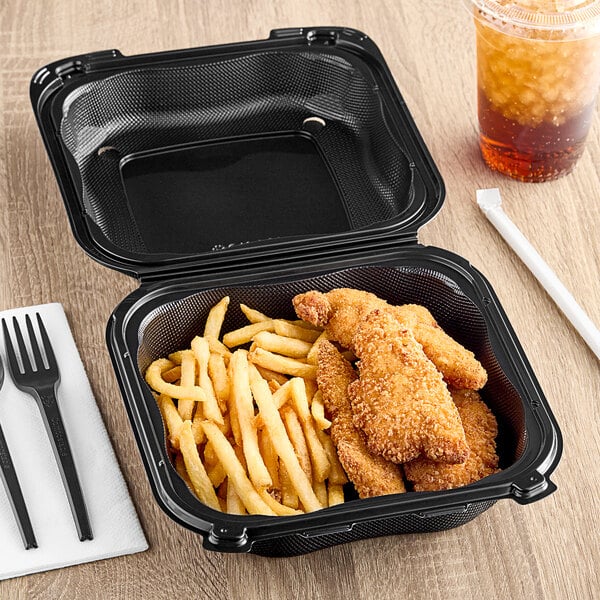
(172, 375)
(220, 381)
(197, 430)
(158, 384)
(243, 335)
(186, 407)
(287, 329)
(242, 397)
(305, 324)
(292, 347)
(222, 493)
(235, 471)
(270, 457)
(175, 357)
(317, 409)
(320, 461)
(210, 407)
(216, 316)
(311, 389)
(296, 435)
(210, 458)
(269, 375)
(273, 385)
(281, 442)
(234, 505)
(239, 452)
(289, 497)
(337, 475)
(171, 417)
(335, 494)
(201, 484)
(282, 364)
(181, 470)
(216, 474)
(254, 316)
(321, 492)
(188, 379)
(282, 395)
(232, 410)
(279, 461)
(218, 347)
(277, 507)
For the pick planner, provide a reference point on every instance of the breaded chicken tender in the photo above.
(400, 400)
(341, 311)
(459, 366)
(481, 430)
(371, 475)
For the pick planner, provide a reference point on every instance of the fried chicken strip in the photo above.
(481, 430)
(400, 400)
(458, 365)
(341, 311)
(371, 475)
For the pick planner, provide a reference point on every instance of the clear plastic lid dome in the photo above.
(567, 18)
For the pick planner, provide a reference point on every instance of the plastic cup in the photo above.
(538, 75)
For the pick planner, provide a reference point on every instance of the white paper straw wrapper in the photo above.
(490, 203)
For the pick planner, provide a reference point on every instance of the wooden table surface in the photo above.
(549, 549)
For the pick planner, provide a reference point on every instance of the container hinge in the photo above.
(529, 486)
(67, 69)
(227, 538)
(288, 32)
(101, 59)
(323, 37)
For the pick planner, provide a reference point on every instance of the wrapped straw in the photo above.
(490, 203)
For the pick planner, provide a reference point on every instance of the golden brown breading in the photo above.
(460, 367)
(342, 310)
(400, 401)
(371, 475)
(481, 430)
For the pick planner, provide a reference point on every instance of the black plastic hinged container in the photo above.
(261, 170)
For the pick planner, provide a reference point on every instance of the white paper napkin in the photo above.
(114, 522)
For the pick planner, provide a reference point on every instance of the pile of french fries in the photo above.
(247, 427)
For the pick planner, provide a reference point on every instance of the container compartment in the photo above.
(231, 152)
(171, 325)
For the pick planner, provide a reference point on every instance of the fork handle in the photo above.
(48, 405)
(15, 495)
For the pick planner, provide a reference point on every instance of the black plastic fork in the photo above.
(13, 488)
(41, 382)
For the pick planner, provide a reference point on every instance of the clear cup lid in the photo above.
(579, 18)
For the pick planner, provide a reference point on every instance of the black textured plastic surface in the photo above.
(293, 545)
(154, 108)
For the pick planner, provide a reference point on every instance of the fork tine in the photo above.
(37, 355)
(52, 364)
(10, 350)
(22, 348)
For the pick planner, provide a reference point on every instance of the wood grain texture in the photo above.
(546, 550)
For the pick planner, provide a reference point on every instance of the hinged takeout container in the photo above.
(261, 170)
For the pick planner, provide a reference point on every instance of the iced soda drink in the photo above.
(538, 67)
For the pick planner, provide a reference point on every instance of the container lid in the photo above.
(272, 150)
(545, 19)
